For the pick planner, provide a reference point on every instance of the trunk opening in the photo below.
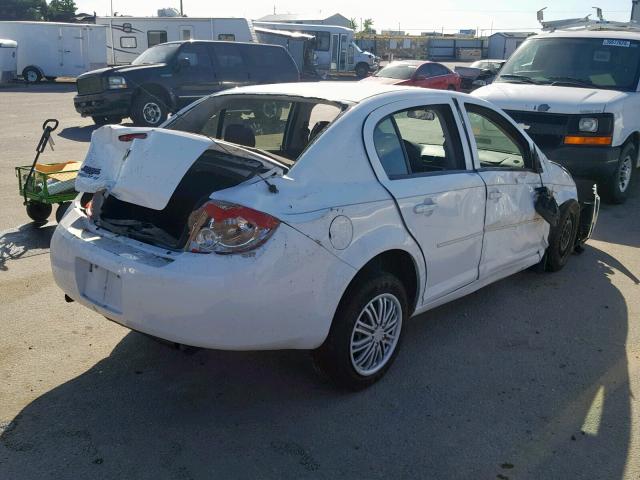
(169, 227)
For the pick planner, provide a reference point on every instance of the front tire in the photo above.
(366, 332)
(149, 110)
(362, 70)
(618, 186)
(562, 237)
(39, 212)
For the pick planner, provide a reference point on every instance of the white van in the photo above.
(128, 37)
(50, 49)
(335, 49)
(576, 92)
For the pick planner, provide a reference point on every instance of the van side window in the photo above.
(322, 40)
(154, 37)
(265, 56)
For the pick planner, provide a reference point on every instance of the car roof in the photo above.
(336, 91)
(626, 35)
(411, 62)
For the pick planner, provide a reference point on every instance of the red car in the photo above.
(417, 73)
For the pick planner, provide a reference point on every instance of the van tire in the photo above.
(149, 110)
(335, 358)
(617, 187)
(362, 70)
(31, 75)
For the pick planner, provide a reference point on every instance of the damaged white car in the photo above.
(318, 216)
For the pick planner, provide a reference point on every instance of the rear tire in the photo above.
(617, 187)
(149, 110)
(31, 75)
(366, 332)
(38, 212)
(562, 238)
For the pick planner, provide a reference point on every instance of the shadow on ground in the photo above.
(43, 87)
(28, 240)
(524, 379)
(78, 134)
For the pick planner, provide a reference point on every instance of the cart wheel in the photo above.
(61, 210)
(38, 212)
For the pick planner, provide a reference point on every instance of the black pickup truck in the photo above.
(169, 76)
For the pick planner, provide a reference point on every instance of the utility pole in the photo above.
(181, 12)
(113, 50)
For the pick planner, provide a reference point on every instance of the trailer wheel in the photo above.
(31, 75)
(38, 212)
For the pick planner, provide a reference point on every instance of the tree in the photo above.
(367, 25)
(353, 25)
(61, 10)
(23, 9)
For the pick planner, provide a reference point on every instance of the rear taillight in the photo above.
(222, 227)
(130, 137)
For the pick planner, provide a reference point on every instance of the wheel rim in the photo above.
(151, 113)
(32, 76)
(375, 334)
(624, 176)
(565, 237)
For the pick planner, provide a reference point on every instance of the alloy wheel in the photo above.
(624, 173)
(375, 334)
(152, 113)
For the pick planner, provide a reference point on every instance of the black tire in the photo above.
(149, 110)
(362, 70)
(38, 212)
(617, 187)
(562, 237)
(334, 358)
(61, 210)
(31, 75)
(51, 79)
(106, 120)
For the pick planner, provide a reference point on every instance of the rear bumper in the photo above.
(589, 211)
(591, 162)
(108, 103)
(282, 296)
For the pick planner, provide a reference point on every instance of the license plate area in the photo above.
(99, 285)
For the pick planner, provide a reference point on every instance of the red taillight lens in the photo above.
(130, 137)
(222, 227)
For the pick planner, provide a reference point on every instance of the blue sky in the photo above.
(413, 16)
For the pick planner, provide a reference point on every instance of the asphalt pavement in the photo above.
(535, 377)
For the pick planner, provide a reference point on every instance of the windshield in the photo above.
(486, 65)
(357, 48)
(157, 54)
(280, 127)
(580, 62)
(400, 71)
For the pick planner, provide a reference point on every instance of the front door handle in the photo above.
(495, 195)
(425, 208)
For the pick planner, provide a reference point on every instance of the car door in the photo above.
(514, 232)
(193, 73)
(418, 156)
(231, 68)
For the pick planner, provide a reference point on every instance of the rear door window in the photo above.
(269, 64)
(229, 61)
(195, 60)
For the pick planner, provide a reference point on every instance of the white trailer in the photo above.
(128, 37)
(48, 49)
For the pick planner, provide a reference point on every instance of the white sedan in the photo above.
(318, 216)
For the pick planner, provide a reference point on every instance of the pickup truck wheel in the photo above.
(39, 212)
(362, 70)
(365, 334)
(31, 75)
(562, 237)
(148, 110)
(617, 187)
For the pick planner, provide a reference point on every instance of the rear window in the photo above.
(280, 126)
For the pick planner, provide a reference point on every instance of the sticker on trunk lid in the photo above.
(617, 43)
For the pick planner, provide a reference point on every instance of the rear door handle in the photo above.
(494, 195)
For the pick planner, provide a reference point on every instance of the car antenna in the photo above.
(272, 186)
